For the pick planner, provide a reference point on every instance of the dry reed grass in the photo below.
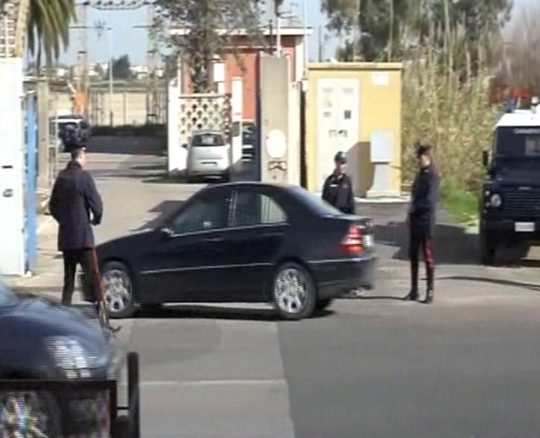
(445, 103)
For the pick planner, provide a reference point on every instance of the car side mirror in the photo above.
(485, 158)
(184, 146)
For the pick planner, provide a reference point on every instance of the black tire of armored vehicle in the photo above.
(488, 248)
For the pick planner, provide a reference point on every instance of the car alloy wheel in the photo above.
(117, 290)
(293, 291)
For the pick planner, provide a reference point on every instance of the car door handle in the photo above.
(214, 239)
(276, 234)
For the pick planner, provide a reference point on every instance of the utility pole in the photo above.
(82, 78)
(357, 43)
(100, 5)
(320, 43)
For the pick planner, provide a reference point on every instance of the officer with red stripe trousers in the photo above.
(421, 221)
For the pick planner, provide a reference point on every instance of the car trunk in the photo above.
(355, 235)
(210, 152)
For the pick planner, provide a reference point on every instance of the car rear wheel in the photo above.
(118, 290)
(293, 292)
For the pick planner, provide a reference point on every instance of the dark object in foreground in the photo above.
(42, 341)
(64, 408)
(242, 242)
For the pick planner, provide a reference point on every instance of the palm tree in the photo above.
(48, 28)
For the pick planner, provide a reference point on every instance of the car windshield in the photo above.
(517, 142)
(315, 203)
(207, 140)
(5, 294)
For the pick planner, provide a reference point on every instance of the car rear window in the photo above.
(315, 203)
(207, 140)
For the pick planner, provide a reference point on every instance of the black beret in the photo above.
(422, 149)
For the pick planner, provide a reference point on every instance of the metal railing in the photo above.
(67, 408)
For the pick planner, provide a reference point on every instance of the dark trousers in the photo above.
(86, 259)
(421, 237)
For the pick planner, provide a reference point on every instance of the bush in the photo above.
(447, 106)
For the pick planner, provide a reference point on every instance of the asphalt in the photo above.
(466, 366)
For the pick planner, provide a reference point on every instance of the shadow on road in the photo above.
(189, 311)
(126, 145)
(525, 285)
(163, 210)
(452, 244)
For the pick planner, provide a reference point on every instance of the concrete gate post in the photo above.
(274, 110)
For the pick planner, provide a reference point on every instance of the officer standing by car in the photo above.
(421, 220)
(76, 205)
(337, 189)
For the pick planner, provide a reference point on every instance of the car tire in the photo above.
(293, 304)
(488, 249)
(323, 304)
(41, 406)
(118, 290)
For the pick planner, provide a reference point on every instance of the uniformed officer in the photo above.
(337, 189)
(76, 205)
(421, 220)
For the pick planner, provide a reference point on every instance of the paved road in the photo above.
(467, 366)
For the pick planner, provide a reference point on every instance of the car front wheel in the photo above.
(118, 290)
(488, 249)
(293, 292)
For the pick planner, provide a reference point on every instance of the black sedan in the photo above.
(42, 340)
(242, 242)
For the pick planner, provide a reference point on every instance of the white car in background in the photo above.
(208, 155)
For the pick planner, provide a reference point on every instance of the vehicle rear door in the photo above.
(254, 241)
(191, 257)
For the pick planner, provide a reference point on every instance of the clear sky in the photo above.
(132, 41)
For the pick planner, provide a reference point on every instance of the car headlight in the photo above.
(495, 200)
(70, 355)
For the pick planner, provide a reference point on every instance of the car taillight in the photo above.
(352, 242)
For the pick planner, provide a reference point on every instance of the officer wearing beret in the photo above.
(337, 189)
(421, 220)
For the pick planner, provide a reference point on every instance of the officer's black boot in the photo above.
(430, 276)
(413, 294)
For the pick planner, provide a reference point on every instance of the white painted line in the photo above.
(262, 382)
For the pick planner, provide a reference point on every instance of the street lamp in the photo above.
(100, 27)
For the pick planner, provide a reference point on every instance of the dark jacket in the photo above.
(424, 197)
(337, 190)
(75, 204)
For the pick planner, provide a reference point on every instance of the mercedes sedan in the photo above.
(242, 242)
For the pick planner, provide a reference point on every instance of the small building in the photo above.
(292, 43)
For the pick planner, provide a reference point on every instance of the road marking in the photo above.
(262, 382)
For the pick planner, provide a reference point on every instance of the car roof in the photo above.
(519, 119)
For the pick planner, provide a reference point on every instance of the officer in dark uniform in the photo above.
(337, 189)
(76, 205)
(421, 220)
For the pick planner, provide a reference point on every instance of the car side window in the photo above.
(210, 213)
(251, 208)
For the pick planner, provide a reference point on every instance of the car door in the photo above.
(192, 248)
(254, 241)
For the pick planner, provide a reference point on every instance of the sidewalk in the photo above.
(47, 278)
